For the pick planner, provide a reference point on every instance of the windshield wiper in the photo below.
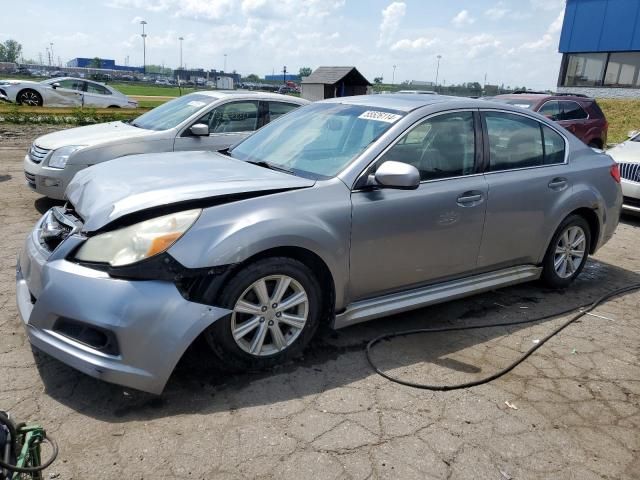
(271, 166)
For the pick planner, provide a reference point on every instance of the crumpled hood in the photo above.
(91, 135)
(110, 190)
(627, 152)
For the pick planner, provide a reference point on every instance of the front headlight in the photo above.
(61, 155)
(137, 242)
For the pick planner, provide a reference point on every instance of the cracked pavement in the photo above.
(327, 415)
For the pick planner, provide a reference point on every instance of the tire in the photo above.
(29, 97)
(256, 344)
(113, 106)
(558, 273)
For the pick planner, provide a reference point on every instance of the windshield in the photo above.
(174, 112)
(518, 102)
(318, 140)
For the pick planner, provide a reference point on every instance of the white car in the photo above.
(64, 92)
(627, 154)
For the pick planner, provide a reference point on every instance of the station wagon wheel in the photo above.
(567, 253)
(269, 315)
(29, 97)
(275, 306)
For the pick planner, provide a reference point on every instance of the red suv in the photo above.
(579, 114)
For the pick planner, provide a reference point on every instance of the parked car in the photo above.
(343, 211)
(198, 121)
(63, 92)
(579, 114)
(627, 154)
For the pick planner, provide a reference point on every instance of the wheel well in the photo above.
(27, 90)
(594, 225)
(311, 260)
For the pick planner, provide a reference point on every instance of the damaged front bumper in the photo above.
(128, 332)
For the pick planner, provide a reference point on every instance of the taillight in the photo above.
(615, 172)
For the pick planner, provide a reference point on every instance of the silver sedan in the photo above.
(207, 120)
(64, 92)
(342, 211)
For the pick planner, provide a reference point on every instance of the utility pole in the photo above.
(393, 77)
(181, 39)
(225, 63)
(144, 48)
(53, 61)
(438, 71)
(284, 75)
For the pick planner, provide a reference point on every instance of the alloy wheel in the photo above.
(269, 315)
(29, 98)
(570, 251)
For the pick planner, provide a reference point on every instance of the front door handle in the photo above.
(558, 183)
(469, 199)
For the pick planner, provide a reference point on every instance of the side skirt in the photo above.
(421, 297)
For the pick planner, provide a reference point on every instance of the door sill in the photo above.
(421, 297)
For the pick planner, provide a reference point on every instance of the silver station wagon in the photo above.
(341, 211)
(207, 120)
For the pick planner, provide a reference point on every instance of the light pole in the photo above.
(438, 71)
(393, 77)
(181, 39)
(144, 48)
(225, 63)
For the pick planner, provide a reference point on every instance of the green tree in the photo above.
(10, 51)
(304, 72)
(378, 80)
(252, 78)
(96, 63)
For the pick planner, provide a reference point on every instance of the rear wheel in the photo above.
(567, 253)
(29, 97)
(275, 306)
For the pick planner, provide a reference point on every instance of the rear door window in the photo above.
(572, 111)
(234, 117)
(550, 109)
(515, 141)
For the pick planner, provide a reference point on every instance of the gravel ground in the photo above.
(576, 401)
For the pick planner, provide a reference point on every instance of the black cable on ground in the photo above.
(584, 309)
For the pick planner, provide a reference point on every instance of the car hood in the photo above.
(626, 152)
(91, 135)
(111, 190)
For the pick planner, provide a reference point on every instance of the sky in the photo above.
(513, 42)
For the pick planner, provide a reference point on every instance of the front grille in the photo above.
(31, 179)
(632, 202)
(38, 154)
(630, 171)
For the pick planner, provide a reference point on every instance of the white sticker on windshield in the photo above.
(196, 103)
(380, 116)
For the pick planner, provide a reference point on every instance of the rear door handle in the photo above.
(558, 183)
(469, 199)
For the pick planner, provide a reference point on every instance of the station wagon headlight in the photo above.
(61, 155)
(136, 242)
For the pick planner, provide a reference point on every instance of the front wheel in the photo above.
(276, 305)
(29, 97)
(567, 253)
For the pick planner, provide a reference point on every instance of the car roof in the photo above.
(250, 94)
(404, 102)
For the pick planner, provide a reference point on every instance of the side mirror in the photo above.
(55, 85)
(199, 130)
(397, 175)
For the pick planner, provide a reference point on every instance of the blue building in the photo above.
(105, 63)
(600, 46)
(281, 78)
